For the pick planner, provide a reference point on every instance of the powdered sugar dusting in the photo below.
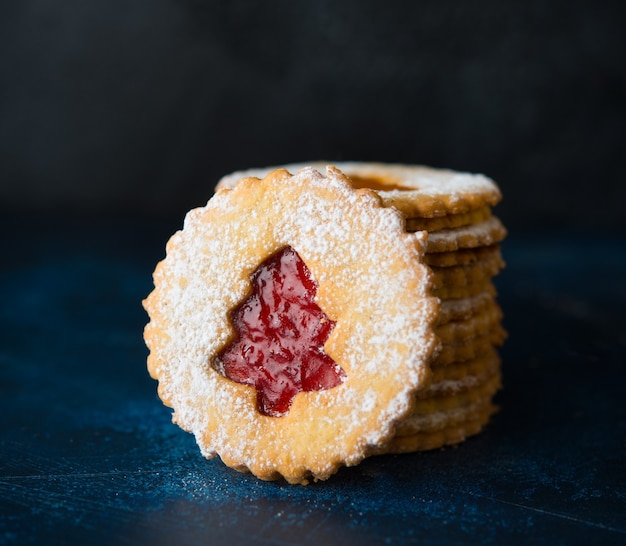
(441, 419)
(352, 246)
(485, 233)
(423, 191)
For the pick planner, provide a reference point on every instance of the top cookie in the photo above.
(417, 191)
(381, 340)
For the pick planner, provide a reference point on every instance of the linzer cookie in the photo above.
(463, 309)
(460, 331)
(464, 275)
(301, 322)
(443, 401)
(464, 254)
(452, 353)
(445, 418)
(271, 334)
(416, 191)
(427, 440)
(485, 233)
(484, 364)
(450, 221)
(451, 292)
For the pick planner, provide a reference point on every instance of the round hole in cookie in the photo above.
(280, 333)
(376, 183)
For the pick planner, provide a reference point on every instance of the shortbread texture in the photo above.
(383, 339)
(415, 190)
(463, 252)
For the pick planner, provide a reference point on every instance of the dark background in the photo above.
(139, 107)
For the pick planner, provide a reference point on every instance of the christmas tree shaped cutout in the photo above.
(280, 333)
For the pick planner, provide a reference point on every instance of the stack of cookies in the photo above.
(464, 255)
(311, 316)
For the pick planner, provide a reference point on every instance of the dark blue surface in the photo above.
(88, 453)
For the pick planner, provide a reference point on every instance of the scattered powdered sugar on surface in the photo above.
(353, 248)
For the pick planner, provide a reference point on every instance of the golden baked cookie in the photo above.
(443, 400)
(470, 349)
(486, 233)
(450, 221)
(222, 324)
(459, 331)
(464, 256)
(417, 191)
(464, 275)
(444, 419)
(449, 381)
(479, 366)
(464, 308)
(451, 292)
(454, 434)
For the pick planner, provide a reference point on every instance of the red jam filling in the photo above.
(279, 336)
